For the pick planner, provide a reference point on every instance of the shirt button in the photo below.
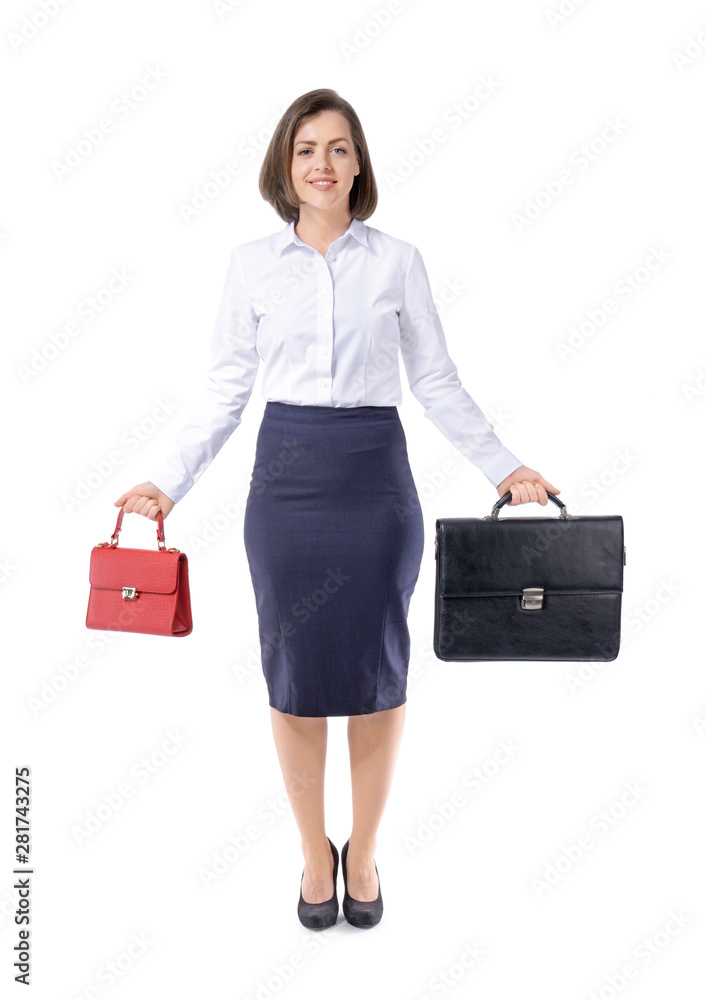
(323, 350)
(324, 384)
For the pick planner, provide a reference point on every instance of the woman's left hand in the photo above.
(526, 486)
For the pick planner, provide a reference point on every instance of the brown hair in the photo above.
(275, 173)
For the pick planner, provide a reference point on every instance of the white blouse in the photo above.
(329, 331)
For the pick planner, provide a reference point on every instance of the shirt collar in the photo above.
(287, 235)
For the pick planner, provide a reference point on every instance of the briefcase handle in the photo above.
(161, 544)
(494, 515)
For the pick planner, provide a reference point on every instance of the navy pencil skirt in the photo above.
(333, 532)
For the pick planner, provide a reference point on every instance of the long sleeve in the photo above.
(433, 379)
(231, 378)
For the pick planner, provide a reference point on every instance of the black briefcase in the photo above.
(529, 588)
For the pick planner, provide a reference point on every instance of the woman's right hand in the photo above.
(146, 499)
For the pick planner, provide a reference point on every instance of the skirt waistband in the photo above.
(311, 414)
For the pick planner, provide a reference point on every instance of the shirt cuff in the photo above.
(168, 480)
(501, 465)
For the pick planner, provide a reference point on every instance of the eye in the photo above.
(308, 150)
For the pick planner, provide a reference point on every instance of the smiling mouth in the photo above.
(322, 183)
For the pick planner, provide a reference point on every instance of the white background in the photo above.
(615, 422)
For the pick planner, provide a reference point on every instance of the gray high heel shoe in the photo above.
(358, 912)
(316, 916)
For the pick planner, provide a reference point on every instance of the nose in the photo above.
(321, 161)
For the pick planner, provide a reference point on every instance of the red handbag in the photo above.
(139, 590)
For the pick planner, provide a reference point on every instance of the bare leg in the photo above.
(374, 744)
(301, 748)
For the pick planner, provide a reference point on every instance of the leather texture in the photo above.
(162, 605)
(483, 566)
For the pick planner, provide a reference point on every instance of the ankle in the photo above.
(363, 848)
(316, 848)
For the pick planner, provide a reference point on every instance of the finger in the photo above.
(543, 499)
(519, 494)
(128, 495)
(150, 509)
(531, 490)
(153, 511)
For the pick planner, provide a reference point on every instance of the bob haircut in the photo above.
(275, 173)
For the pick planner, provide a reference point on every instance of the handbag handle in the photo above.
(494, 515)
(161, 544)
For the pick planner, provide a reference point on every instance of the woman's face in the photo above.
(323, 147)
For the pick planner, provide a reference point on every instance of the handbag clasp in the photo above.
(532, 597)
(129, 594)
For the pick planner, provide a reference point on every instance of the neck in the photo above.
(320, 226)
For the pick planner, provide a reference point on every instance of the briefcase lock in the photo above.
(129, 594)
(532, 597)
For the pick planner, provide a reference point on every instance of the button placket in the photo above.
(324, 336)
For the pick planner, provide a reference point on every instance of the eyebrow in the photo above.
(308, 142)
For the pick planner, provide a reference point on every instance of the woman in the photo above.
(333, 529)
